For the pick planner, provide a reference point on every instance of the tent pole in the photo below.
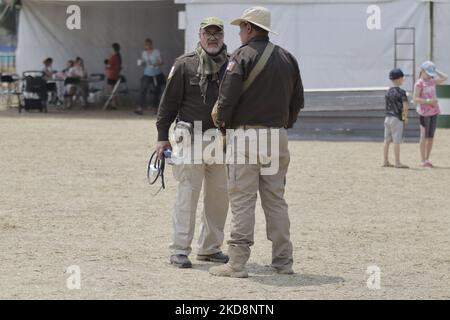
(431, 30)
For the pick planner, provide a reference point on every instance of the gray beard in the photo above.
(212, 51)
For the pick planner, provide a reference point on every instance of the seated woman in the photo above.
(64, 72)
(48, 69)
(62, 75)
(76, 78)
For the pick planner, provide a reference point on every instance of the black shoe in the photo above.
(215, 257)
(180, 261)
(139, 112)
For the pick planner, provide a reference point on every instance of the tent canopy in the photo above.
(43, 33)
(332, 41)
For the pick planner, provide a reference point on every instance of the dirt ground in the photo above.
(73, 191)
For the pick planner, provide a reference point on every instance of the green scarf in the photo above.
(209, 65)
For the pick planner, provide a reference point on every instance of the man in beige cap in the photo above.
(262, 90)
(191, 91)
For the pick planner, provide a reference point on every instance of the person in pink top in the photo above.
(428, 109)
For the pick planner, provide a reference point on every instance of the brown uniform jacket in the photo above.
(275, 97)
(182, 98)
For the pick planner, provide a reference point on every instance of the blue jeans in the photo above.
(152, 85)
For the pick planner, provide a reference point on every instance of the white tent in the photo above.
(441, 35)
(332, 40)
(43, 33)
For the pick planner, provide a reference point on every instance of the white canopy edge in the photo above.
(295, 1)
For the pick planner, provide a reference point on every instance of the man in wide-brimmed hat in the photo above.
(262, 90)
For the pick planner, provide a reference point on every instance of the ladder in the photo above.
(400, 46)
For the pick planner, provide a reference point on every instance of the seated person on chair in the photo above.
(62, 75)
(48, 69)
(78, 71)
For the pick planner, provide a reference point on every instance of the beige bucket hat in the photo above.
(258, 16)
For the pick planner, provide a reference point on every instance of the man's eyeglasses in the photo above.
(217, 35)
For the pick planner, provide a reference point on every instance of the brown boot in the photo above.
(226, 270)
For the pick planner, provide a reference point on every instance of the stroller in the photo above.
(34, 92)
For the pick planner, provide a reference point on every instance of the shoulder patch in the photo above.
(231, 66)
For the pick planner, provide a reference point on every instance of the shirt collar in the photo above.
(259, 38)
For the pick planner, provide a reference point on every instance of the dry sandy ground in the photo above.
(73, 191)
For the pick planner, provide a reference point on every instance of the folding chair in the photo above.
(117, 90)
(96, 87)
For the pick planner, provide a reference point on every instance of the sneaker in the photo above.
(427, 164)
(226, 270)
(387, 165)
(215, 257)
(180, 261)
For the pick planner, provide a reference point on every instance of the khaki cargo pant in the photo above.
(190, 178)
(244, 182)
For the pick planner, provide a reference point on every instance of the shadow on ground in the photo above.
(265, 275)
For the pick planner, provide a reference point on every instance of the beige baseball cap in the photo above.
(259, 16)
(211, 21)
